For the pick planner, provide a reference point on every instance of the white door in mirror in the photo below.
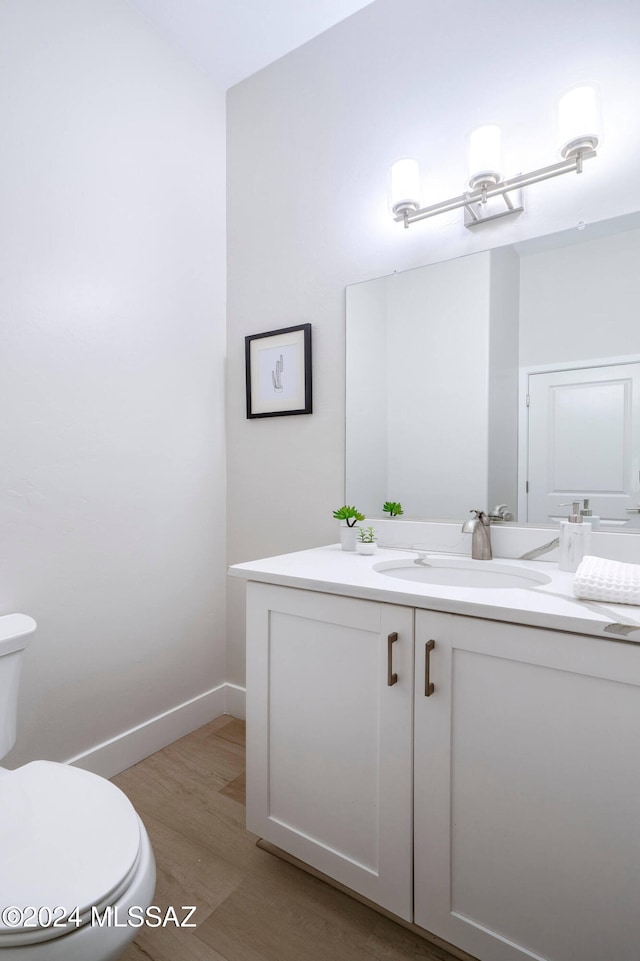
(584, 426)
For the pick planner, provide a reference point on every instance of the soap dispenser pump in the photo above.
(587, 514)
(575, 538)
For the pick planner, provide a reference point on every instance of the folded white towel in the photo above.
(598, 579)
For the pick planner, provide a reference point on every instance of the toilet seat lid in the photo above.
(68, 839)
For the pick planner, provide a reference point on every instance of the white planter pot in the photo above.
(366, 548)
(348, 537)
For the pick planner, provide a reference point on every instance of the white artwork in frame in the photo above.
(278, 372)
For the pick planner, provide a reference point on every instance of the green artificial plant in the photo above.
(349, 514)
(392, 508)
(366, 535)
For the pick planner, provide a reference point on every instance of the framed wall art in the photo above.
(278, 370)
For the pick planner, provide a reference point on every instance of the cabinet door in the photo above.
(329, 740)
(527, 792)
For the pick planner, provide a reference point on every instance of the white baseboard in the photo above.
(235, 701)
(126, 749)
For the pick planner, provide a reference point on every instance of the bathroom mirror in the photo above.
(505, 377)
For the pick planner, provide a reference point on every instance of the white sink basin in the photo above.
(460, 572)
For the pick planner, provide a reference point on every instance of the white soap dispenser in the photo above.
(587, 514)
(575, 539)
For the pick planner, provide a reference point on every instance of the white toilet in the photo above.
(70, 841)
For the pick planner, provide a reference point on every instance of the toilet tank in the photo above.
(14, 637)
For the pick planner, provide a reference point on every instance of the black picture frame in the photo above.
(278, 372)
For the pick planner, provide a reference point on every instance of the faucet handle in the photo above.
(469, 526)
(483, 518)
(501, 513)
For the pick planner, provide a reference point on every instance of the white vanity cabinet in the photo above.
(509, 791)
(329, 737)
(527, 791)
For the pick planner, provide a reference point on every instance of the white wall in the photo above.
(503, 380)
(581, 302)
(438, 396)
(367, 395)
(310, 139)
(112, 280)
(432, 387)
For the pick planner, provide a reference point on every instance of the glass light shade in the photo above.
(405, 186)
(578, 120)
(485, 156)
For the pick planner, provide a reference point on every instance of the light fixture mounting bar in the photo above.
(474, 200)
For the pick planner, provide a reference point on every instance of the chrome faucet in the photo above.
(480, 536)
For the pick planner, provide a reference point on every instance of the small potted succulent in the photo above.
(350, 516)
(392, 508)
(366, 542)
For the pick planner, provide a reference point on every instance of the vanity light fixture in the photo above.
(577, 122)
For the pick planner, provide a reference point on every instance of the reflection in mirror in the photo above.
(506, 377)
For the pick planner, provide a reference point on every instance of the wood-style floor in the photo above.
(250, 905)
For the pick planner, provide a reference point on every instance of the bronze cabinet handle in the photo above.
(391, 677)
(428, 685)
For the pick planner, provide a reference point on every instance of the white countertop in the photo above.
(334, 571)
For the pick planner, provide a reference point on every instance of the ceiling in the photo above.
(231, 39)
